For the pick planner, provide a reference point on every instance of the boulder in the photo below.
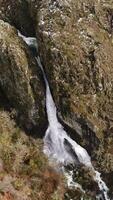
(17, 13)
(20, 77)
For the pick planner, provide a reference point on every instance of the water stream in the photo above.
(58, 146)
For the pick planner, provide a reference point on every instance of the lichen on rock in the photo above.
(75, 45)
(76, 49)
(20, 78)
(17, 14)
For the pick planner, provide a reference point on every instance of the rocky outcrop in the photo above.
(20, 78)
(75, 43)
(83, 177)
(17, 13)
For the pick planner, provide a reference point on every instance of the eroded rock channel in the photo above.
(75, 46)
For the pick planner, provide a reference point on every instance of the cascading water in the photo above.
(58, 145)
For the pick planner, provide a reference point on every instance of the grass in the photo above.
(24, 170)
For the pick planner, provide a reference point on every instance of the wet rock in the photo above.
(108, 177)
(83, 185)
(20, 78)
(75, 44)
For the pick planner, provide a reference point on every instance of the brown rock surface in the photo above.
(17, 14)
(20, 78)
(76, 47)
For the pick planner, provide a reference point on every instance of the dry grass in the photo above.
(24, 170)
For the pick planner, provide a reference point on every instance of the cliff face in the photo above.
(75, 43)
(75, 40)
(20, 78)
(17, 14)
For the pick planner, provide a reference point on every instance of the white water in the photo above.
(30, 41)
(71, 183)
(56, 138)
(54, 142)
(58, 145)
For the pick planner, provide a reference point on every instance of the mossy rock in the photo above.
(75, 45)
(17, 14)
(20, 78)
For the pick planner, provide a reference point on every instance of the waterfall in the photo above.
(58, 146)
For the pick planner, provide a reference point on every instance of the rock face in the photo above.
(17, 14)
(76, 46)
(75, 41)
(20, 78)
